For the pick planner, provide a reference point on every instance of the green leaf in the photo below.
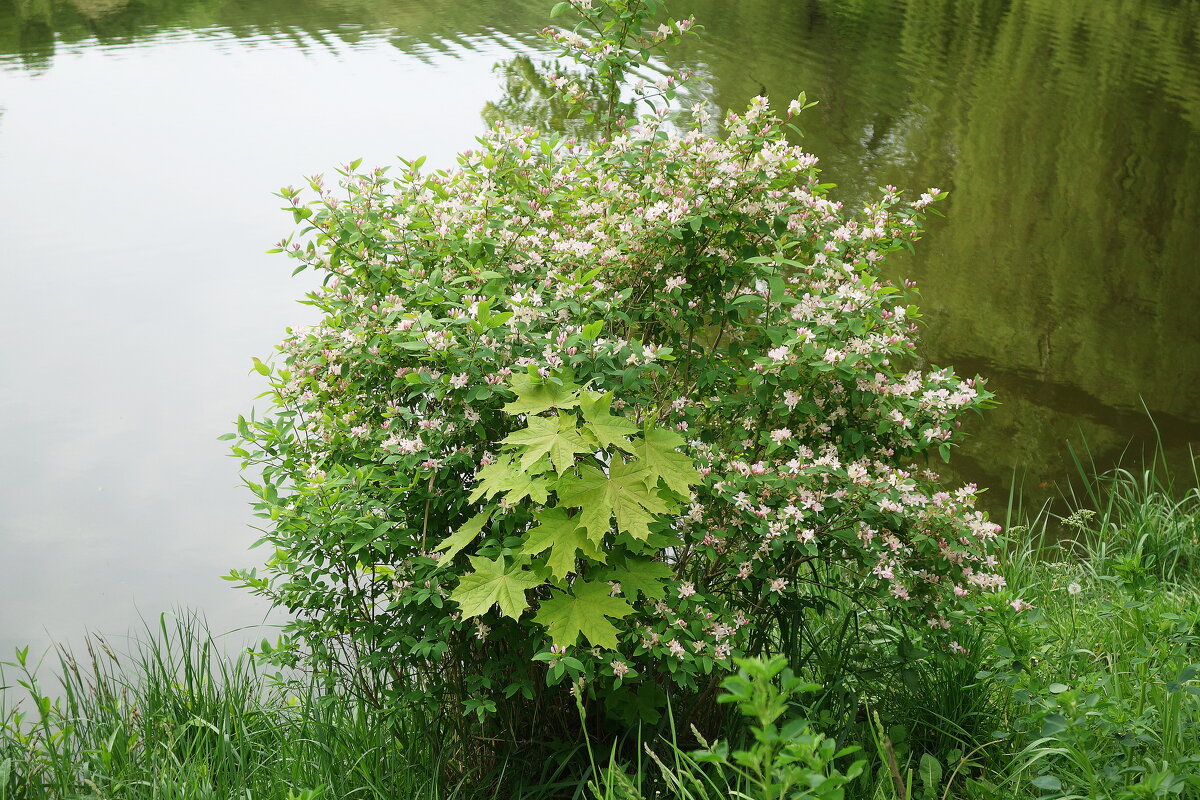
(494, 584)
(562, 535)
(556, 438)
(640, 575)
(260, 367)
(505, 476)
(592, 330)
(610, 430)
(657, 451)
(534, 398)
(584, 611)
(930, 771)
(1053, 724)
(455, 542)
(559, 8)
(622, 492)
(1047, 783)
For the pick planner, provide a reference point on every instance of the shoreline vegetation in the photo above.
(1088, 690)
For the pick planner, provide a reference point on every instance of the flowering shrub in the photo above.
(592, 413)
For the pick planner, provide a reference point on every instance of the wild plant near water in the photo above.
(173, 716)
(786, 759)
(605, 414)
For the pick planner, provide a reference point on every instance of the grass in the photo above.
(177, 719)
(1098, 679)
(1091, 693)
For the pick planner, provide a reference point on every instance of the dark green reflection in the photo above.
(1068, 132)
(32, 29)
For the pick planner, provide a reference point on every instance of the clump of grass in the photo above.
(1098, 678)
(176, 718)
(1144, 521)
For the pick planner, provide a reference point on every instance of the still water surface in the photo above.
(141, 140)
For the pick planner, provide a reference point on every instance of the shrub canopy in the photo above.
(605, 414)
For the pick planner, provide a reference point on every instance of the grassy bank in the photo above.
(175, 718)
(1088, 691)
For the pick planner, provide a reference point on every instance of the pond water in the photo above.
(141, 142)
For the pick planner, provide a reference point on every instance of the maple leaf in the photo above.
(583, 611)
(610, 430)
(455, 542)
(657, 452)
(563, 536)
(623, 492)
(492, 583)
(534, 398)
(505, 476)
(556, 438)
(640, 575)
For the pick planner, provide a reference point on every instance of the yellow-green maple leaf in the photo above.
(622, 493)
(656, 450)
(492, 583)
(562, 535)
(610, 430)
(640, 575)
(534, 397)
(505, 476)
(556, 438)
(584, 611)
(455, 542)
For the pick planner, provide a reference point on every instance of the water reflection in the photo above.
(1069, 136)
(33, 31)
(140, 141)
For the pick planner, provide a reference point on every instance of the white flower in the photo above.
(1074, 589)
